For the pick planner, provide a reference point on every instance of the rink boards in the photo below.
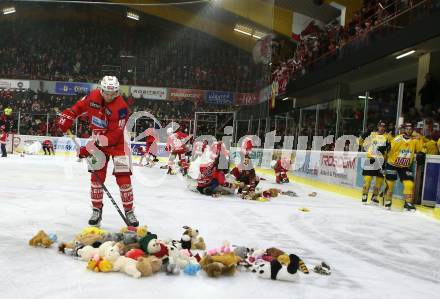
(335, 171)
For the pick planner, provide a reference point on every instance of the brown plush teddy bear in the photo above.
(197, 242)
(260, 196)
(148, 265)
(124, 248)
(274, 252)
(216, 269)
(41, 239)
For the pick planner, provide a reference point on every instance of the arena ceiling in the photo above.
(219, 17)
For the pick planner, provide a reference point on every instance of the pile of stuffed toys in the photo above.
(138, 253)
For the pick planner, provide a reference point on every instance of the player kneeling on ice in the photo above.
(211, 180)
(108, 114)
(245, 174)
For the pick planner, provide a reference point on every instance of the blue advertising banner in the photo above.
(72, 88)
(431, 186)
(219, 97)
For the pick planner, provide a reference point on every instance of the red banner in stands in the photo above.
(177, 94)
(246, 98)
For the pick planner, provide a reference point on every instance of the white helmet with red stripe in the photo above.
(109, 85)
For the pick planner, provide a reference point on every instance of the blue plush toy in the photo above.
(53, 237)
(192, 269)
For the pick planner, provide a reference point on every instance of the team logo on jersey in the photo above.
(108, 111)
(100, 123)
(95, 105)
(123, 112)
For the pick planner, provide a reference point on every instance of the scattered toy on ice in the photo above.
(87, 252)
(323, 269)
(197, 242)
(41, 239)
(221, 250)
(191, 269)
(217, 265)
(98, 264)
(289, 193)
(275, 270)
(313, 194)
(92, 236)
(53, 237)
(148, 265)
(151, 246)
(274, 252)
(122, 263)
(304, 209)
(135, 254)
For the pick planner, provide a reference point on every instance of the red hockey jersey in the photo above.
(176, 143)
(107, 119)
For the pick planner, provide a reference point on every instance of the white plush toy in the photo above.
(277, 271)
(180, 257)
(87, 252)
(121, 263)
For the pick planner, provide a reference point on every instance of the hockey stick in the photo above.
(69, 132)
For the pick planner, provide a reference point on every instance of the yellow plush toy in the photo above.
(98, 264)
(216, 269)
(41, 239)
(227, 259)
(92, 230)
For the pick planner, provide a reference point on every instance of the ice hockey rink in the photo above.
(373, 253)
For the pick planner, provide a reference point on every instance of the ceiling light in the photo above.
(406, 54)
(258, 34)
(133, 16)
(243, 29)
(8, 10)
(363, 98)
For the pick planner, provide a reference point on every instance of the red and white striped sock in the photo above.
(127, 196)
(96, 195)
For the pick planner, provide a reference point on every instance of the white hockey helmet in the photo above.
(109, 85)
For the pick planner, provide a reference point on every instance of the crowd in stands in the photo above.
(38, 111)
(138, 56)
(318, 43)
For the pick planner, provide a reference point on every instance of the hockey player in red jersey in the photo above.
(281, 167)
(108, 114)
(245, 174)
(247, 145)
(3, 138)
(212, 181)
(176, 145)
(149, 152)
(48, 147)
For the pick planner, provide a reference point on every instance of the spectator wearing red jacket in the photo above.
(3, 138)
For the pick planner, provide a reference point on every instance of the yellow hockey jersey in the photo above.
(430, 146)
(376, 144)
(403, 151)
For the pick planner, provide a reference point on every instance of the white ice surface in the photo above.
(373, 253)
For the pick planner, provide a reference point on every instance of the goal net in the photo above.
(213, 123)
